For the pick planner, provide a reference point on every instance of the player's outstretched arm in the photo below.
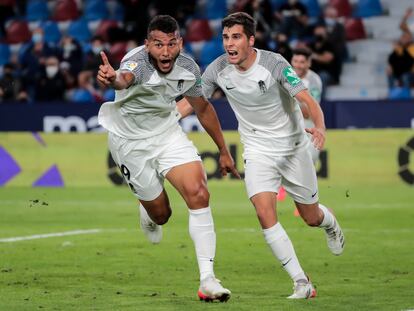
(208, 119)
(184, 108)
(316, 114)
(109, 77)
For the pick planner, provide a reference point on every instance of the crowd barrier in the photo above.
(71, 117)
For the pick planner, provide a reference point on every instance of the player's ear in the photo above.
(180, 43)
(146, 43)
(251, 41)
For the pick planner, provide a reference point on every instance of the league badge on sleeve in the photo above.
(291, 76)
(129, 65)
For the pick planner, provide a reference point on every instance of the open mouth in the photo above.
(232, 53)
(166, 63)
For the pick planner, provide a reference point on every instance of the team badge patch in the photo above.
(262, 86)
(180, 85)
(291, 76)
(129, 65)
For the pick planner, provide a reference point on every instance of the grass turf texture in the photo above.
(117, 269)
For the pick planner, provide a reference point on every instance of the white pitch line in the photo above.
(49, 235)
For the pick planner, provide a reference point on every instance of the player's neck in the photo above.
(248, 62)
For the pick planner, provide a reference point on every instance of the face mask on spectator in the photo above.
(37, 37)
(51, 71)
(97, 49)
(329, 21)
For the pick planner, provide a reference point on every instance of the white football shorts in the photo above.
(145, 162)
(265, 173)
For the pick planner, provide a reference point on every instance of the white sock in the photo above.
(328, 219)
(282, 248)
(201, 227)
(144, 214)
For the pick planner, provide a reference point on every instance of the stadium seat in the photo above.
(37, 10)
(399, 93)
(215, 9)
(79, 30)
(66, 10)
(109, 95)
(116, 10)
(4, 54)
(51, 32)
(18, 32)
(198, 30)
(354, 29)
(313, 7)
(95, 10)
(210, 51)
(277, 3)
(104, 26)
(343, 7)
(368, 8)
(82, 96)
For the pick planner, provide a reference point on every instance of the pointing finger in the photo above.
(104, 58)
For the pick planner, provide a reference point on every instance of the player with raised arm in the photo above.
(148, 144)
(261, 88)
(301, 62)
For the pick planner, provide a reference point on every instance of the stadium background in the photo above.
(56, 176)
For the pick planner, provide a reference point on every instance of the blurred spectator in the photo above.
(72, 55)
(261, 11)
(93, 58)
(293, 19)
(50, 83)
(33, 56)
(401, 62)
(282, 46)
(404, 25)
(10, 85)
(6, 11)
(323, 57)
(87, 91)
(336, 36)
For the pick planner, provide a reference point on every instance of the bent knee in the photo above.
(197, 195)
(161, 218)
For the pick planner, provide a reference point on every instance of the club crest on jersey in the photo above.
(180, 85)
(262, 86)
(291, 76)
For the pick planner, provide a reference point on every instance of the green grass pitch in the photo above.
(115, 268)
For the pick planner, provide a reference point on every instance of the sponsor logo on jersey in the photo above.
(291, 76)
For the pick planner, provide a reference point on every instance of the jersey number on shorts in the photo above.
(127, 176)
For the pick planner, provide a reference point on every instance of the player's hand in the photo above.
(106, 74)
(227, 164)
(318, 136)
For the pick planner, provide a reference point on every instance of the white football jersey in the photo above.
(270, 120)
(314, 85)
(148, 106)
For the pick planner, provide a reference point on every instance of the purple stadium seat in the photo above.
(343, 7)
(198, 30)
(18, 32)
(103, 27)
(66, 10)
(354, 29)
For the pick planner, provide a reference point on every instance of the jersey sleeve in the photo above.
(134, 67)
(195, 90)
(287, 77)
(209, 81)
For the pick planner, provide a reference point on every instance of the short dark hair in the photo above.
(164, 23)
(241, 18)
(302, 51)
